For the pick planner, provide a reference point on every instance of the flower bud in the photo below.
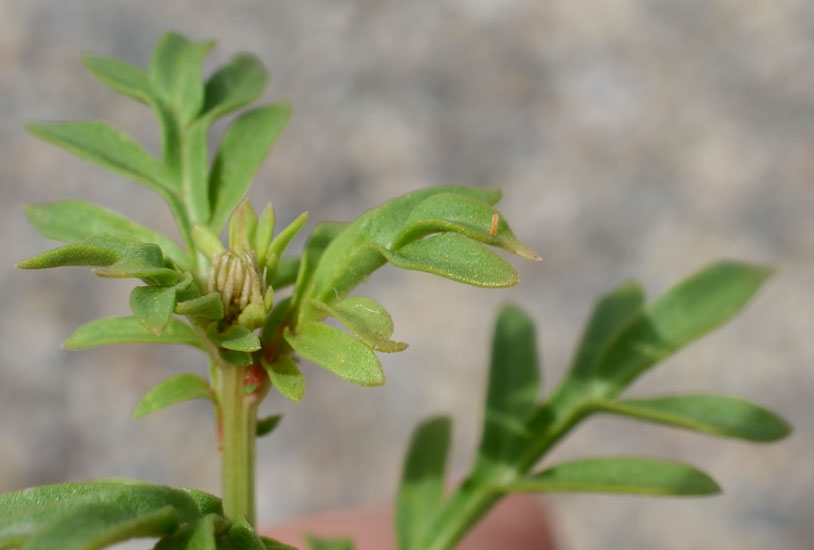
(234, 276)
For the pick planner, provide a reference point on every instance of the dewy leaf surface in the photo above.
(684, 313)
(713, 414)
(337, 351)
(175, 389)
(633, 475)
(124, 330)
(101, 144)
(366, 319)
(245, 145)
(513, 390)
(76, 220)
(422, 484)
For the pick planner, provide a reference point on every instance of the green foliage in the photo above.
(321, 543)
(175, 389)
(624, 338)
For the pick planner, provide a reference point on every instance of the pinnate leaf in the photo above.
(713, 414)
(286, 377)
(337, 351)
(76, 220)
(101, 144)
(422, 484)
(366, 319)
(633, 475)
(124, 330)
(175, 389)
(245, 145)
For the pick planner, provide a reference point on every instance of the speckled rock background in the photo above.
(632, 138)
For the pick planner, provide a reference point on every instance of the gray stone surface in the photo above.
(632, 138)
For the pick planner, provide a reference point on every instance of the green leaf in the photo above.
(245, 145)
(235, 338)
(242, 536)
(286, 377)
(332, 543)
(268, 424)
(272, 544)
(262, 235)
(175, 389)
(286, 273)
(90, 515)
(422, 484)
(514, 386)
(208, 306)
(153, 306)
(322, 236)
(277, 247)
(684, 313)
(366, 319)
(101, 144)
(455, 257)
(633, 475)
(337, 351)
(242, 226)
(206, 503)
(72, 255)
(713, 414)
(610, 316)
(234, 85)
(206, 241)
(76, 220)
(141, 261)
(124, 330)
(468, 216)
(175, 73)
(123, 77)
(203, 534)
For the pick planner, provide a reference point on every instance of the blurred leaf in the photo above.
(268, 424)
(514, 387)
(422, 485)
(236, 358)
(277, 247)
(272, 544)
(332, 543)
(262, 235)
(684, 313)
(175, 73)
(206, 241)
(101, 144)
(205, 502)
(455, 257)
(286, 377)
(713, 414)
(643, 476)
(234, 85)
(242, 536)
(122, 330)
(208, 306)
(175, 389)
(319, 240)
(76, 220)
(286, 273)
(242, 226)
(366, 319)
(123, 77)
(468, 216)
(337, 351)
(203, 534)
(153, 306)
(235, 338)
(245, 145)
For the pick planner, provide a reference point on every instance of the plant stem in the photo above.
(238, 417)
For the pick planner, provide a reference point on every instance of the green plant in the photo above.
(254, 313)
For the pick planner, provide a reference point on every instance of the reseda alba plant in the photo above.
(254, 312)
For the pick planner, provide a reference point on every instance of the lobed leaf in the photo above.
(366, 319)
(153, 306)
(713, 414)
(286, 377)
(101, 144)
(422, 484)
(76, 220)
(513, 389)
(245, 145)
(632, 475)
(124, 330)
(175, 389)
(684, 313)
(123, 77)
(337, 351)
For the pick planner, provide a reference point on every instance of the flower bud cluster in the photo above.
(234, 276)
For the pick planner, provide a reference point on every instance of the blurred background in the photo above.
(632, 138)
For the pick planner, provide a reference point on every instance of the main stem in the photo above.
(238, 417)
